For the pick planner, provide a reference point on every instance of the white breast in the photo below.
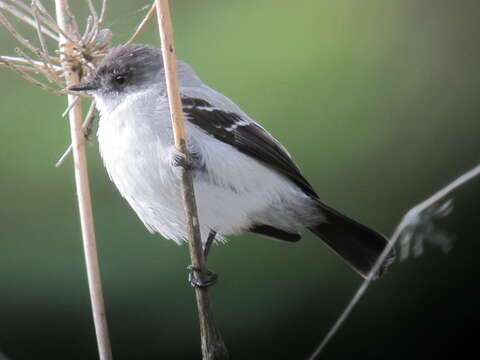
(135, 143)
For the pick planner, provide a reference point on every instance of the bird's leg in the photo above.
(208, 243)
(211, 277)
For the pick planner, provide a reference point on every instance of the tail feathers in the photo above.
(357, 244)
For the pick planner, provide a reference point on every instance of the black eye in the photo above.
(120, 79)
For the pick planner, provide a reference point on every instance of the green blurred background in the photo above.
(377, 100)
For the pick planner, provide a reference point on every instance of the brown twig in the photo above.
(27, 77)
(102, 12)
(70, 106)
(25, 18)
(87, 130)
(76, 57)
(87, 124)
(213, 347)
(44, 55)
(409, 218)
(72, 76)
(142, 24)
(48, 20)
(22, 40)
(36, 64)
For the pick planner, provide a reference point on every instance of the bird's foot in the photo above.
(180, 159)
(210, 278)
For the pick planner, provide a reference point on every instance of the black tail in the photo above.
(359, 245)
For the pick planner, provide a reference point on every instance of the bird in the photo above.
(245, 180)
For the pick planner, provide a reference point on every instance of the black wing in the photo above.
(247, 137)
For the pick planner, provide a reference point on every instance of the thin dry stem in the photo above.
(67, 23)
(406, 221)
(45, 17)
(62, 158)
(44, 55)
(23, 67)
(70, 106)
(11, 29)
(86, 50)
(93, 24)
(88, 27)
(87, 131)
(26, 76)
(48, 20)
(76, 59)
(90, 36)
(87, 124)
(103, 12)
(25, 18)
(43, 68)
(213, 347)
(38, 64)
(92, 9)
(142, 24)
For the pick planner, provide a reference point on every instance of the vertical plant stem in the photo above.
(72, 76)
(213, 347)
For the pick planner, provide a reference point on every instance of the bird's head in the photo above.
(125, 69)
(130, 69)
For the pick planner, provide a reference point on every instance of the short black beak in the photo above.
(84, 86)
